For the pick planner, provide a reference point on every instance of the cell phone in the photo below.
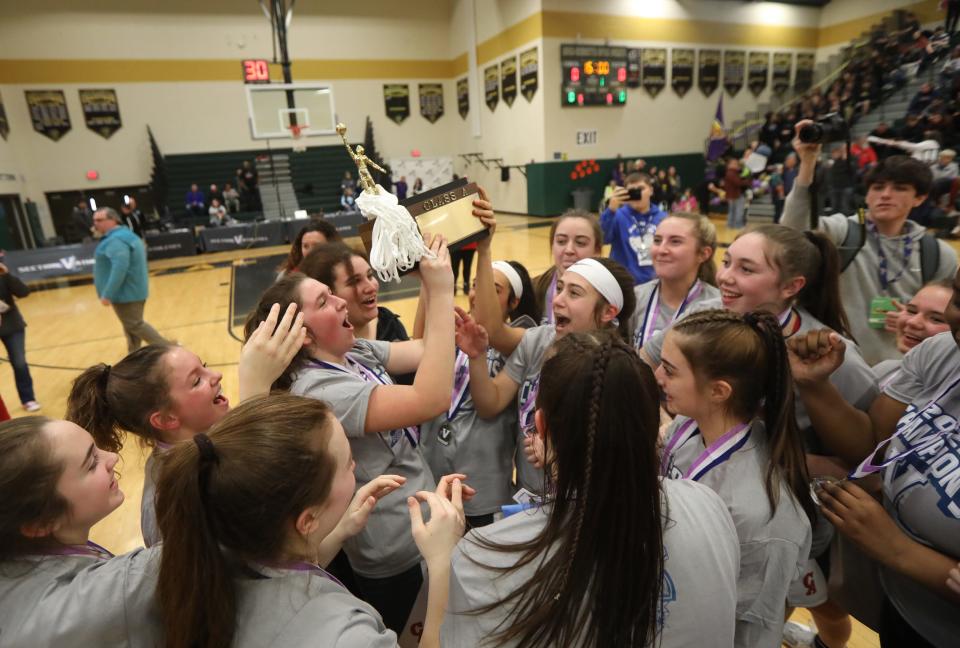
(635, 194)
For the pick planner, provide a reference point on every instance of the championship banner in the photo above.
(101, 111)
(48, 111)
(491, 86)
(463, 97)
(682, 73)
(758, 65)
(431, 101)
(653, 62)
(396, 98)
(734, 62)
(508, 83)
(529, 73)
(4, 124)
(782, 64)
(804, 72)
(709, 64)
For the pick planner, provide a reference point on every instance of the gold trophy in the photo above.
(391, 233)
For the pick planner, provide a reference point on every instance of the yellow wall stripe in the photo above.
(562, 24)
(545, 24)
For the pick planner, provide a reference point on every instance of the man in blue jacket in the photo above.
(629, 224)
(120, 277)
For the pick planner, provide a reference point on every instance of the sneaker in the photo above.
(32, 406)
(798, 635)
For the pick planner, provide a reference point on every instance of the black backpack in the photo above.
(856, 237)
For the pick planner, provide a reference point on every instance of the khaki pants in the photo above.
(136, 330)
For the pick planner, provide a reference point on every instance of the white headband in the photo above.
(512, 276)
(601, 279)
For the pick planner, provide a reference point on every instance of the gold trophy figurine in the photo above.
(361, 160)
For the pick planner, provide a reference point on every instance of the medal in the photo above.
(444, 434)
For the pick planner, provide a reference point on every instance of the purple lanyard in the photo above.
(714, 455)
(551, 293)
(355, 368)
(868, 467)
(883, 266)
(649, 326)
(461, 381)
(528, 404)
(91, 549)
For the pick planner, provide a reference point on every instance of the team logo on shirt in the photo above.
(667, 596)
(528, 401)
(938, 464)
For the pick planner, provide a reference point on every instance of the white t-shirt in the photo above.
(700, 571)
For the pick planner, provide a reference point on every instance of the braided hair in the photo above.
(748, 351)
(607, 592)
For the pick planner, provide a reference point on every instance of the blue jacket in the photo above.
(120, 267)
(630, 235)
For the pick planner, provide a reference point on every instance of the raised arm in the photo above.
(393, 406)
(490, 395)
(796, 209)
(503, 338)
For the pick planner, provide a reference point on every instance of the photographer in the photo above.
(629, 222)
(884, 259)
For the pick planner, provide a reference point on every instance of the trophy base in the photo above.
(446, 210)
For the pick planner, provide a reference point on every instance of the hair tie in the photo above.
(752, 320)
(208, 453)
(104, 377)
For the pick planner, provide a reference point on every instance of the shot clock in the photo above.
(593, 75)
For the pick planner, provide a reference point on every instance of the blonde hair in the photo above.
(706, 233)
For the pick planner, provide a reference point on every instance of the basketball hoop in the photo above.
(296, 134)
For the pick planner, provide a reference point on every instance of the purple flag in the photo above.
(718, 135)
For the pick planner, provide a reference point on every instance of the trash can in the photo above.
(582, 198)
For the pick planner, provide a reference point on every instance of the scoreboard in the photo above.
(593, 75)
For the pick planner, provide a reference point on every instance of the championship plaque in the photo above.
(446, 210)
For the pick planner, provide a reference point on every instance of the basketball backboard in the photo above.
(274, 107)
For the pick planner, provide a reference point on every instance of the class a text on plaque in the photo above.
(444, 199)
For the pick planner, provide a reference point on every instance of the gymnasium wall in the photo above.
(176, 67)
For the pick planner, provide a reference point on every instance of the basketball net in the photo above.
(299, 142)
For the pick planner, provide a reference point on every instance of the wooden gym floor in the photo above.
(191, 302)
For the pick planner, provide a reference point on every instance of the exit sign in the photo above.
(586, 137)
(256, 71)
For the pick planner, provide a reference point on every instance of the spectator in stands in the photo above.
(417, 186)
(81, 222)
(686, 203)
(676, 184)
(120, 277)
(922, 100)
(347, 183)
(132, 218)
(231, 198)
(250, 175)
(770, 130)
(841, 181)
(883, 131)
(733, 189)
(248, 183)
(952, 66)
(864, 154)
(218, 215)
(945, 172)
(400, 188)
(315, 233)
(777, 194)
(214, 194)
(347, 201)
(196, 201)
(912, 129)
(619, 172)
(639, 166)
(13, 334)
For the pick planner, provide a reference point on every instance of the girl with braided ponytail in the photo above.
(616, 555)
(727, 376)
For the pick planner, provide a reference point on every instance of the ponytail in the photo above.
(232, 497)
(748, 351)
(110, 401)
(527, 303)
(625, 280)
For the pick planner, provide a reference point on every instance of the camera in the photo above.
(635, 194)
(832, 128)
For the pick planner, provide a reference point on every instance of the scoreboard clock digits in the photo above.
(593, 75)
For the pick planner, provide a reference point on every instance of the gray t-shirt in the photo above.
(148, 501)
(280, 607)
(700, 571)
(482, 449)
(385, 547)
(523, 368)
(922, 491)
(774, 546)
(651, 307)
(81, 600)
(885, 370)
(860, 282)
